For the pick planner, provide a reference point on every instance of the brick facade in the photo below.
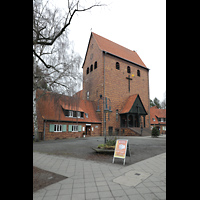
(112, 83)
(95, 130)
(100, 79)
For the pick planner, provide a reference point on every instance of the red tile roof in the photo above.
(129, 104)
(50, 107)
(157, 113)
(118, 50)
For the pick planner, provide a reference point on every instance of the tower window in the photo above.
(128, 70)
(91, 68)
(138, 72)
(88, 95)
(95, 65)
(87, 72)
(117, 66)
(117, 114)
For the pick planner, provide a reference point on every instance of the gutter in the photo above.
(126, 60)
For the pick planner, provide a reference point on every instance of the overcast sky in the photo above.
(139, 25)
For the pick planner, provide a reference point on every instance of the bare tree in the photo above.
(163, 103)
(55, 64)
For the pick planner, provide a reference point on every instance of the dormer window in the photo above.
(70, 113)
(78, 114)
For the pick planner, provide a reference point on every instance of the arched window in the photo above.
(117, 66)
(87, 72)
(95, 65)
(128, 70)
(88, 95)
(91, 68)
(138, 72)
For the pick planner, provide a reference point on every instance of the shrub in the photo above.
(155, 132)
(111, 142)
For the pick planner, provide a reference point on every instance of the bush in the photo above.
(155, 132)
(111, 142)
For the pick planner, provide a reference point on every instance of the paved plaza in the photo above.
(96, 180)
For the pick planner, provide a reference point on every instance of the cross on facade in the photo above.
(129, 82)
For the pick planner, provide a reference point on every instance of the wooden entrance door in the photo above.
(88, 130)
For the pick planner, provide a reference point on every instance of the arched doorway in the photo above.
(130, 121)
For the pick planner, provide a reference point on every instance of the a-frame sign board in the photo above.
(122, 149)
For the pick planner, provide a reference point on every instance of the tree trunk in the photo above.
(35, 119)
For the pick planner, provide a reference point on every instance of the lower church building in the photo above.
(114, 98)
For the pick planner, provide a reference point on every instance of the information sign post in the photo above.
(121, 150)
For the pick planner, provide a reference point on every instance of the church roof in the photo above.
(131, 105)
(51, 105)
(118, 50)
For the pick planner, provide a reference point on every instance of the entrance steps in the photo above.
(145, 132)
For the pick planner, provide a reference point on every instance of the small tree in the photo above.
(155, 132)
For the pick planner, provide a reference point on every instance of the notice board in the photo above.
(121, 150)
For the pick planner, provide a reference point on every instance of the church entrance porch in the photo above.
(132, 120)
(133, 114)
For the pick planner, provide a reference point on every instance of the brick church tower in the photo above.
(116, 76)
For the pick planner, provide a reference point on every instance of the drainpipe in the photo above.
(44, 127)
(104, 117)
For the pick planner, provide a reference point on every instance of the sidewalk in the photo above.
(94, 180)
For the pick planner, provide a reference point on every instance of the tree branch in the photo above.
(49, 40)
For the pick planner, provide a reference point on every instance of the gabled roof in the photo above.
(51, 105)
(118, 50)
(157, 113)
(131, 105)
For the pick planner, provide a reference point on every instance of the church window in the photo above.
(87, 72)
(138, 72)
(117, 114)
(95, 65)
(117, 66)
(91, 68)
(128, 70)
(88, 95)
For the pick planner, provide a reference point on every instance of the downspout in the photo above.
(104, 117)
(44, 128)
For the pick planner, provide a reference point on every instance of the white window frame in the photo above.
(57, 128)
(70, 113)
(153, 119)
(74, 128)
(78, 114)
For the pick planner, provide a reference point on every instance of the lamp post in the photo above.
(105, 110)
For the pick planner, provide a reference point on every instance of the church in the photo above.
(114, 98)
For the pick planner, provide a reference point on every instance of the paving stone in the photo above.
(105, 194)
(92, 195)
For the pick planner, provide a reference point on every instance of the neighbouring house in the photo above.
(158, 119)
(61, 116)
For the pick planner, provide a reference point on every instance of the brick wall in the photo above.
(116, 84)
(61, 135)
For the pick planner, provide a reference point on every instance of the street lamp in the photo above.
(106, 110)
